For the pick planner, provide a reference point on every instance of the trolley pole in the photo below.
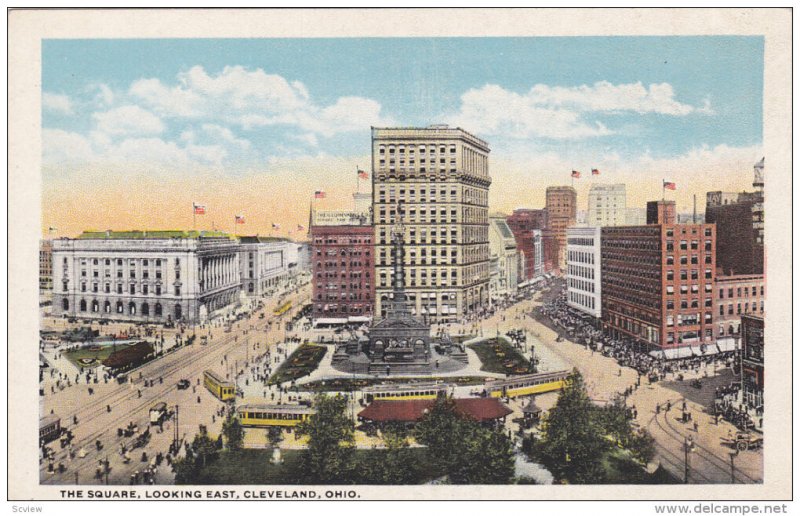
(175, 439)
(687, 448)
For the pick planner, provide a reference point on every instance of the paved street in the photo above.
(196, 406)
(242, 351)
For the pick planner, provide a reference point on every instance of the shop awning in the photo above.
(330, 320)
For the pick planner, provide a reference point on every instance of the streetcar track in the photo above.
(228, 344)
(88, 439)
(709, 455)
(693, 473)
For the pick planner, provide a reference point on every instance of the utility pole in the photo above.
(175, 439)
(733, 466)
(687, 448)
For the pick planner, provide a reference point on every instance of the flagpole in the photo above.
(358, 180)
(194, 217)
(663, 190)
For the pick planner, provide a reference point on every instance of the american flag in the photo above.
(240, 219)
(276, 226)
(669, 185)
(319, 194)
(362, 174)
(576, 174)
(595, 172)
(199, 209)
(301, 227)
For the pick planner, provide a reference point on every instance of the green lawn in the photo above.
(96, 354)
(622, 469)
(348, 384)
(499, 356)
(299, 364)
(253, 467)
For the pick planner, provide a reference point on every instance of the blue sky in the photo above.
(242, 106)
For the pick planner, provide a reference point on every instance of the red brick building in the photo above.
(562, 210)
(550, 250)
(657, 283)
(661, 212)
(522, 223)
(342, 271)
(735, 296)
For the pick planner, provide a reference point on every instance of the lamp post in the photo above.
(733, 455)
(688, 447)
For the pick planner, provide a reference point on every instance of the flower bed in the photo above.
(299, 364)
(499, 356)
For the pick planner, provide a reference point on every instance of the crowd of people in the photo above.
(582, 329)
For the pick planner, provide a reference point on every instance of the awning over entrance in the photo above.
(330, 320)
(727, 344)
(359, 319)
(687, 352)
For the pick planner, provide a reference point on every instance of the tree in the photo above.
(394, 465)
(573, 441)
(331, 441)
(233, 432)
(204, 448)
(468, 452)
(642, 446)
(274, 434)
(186, 471)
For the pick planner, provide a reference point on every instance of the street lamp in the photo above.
(688, 447)
(733, 455)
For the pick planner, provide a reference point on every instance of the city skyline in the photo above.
(228, 123)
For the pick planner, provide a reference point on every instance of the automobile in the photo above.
(744, 441)
(183, 384)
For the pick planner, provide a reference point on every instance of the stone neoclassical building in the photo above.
(145, 276)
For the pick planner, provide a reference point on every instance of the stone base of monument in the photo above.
(400, 368)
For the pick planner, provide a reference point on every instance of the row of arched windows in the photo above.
(121, 308)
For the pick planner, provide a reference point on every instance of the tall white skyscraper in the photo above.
(606, 205)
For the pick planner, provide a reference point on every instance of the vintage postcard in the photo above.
(400, 254)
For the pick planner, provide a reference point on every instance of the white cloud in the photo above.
(59, 146)
(559, 112)
(214, 154)
(223, 134)
(140, 151)
(166, 101)
(57, 103)
(604, 97)
(105, 96)
(128, 120)
(352, 114)
(494, 110)
(254, 98)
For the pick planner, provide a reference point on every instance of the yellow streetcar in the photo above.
(524, 385)
(282, 309)
(272, 415)
(222, 389)
(410, 391)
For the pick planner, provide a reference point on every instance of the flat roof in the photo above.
(479, 409)
(136, 234)
(279, 409)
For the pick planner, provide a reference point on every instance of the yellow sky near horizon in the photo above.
(281, 193)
